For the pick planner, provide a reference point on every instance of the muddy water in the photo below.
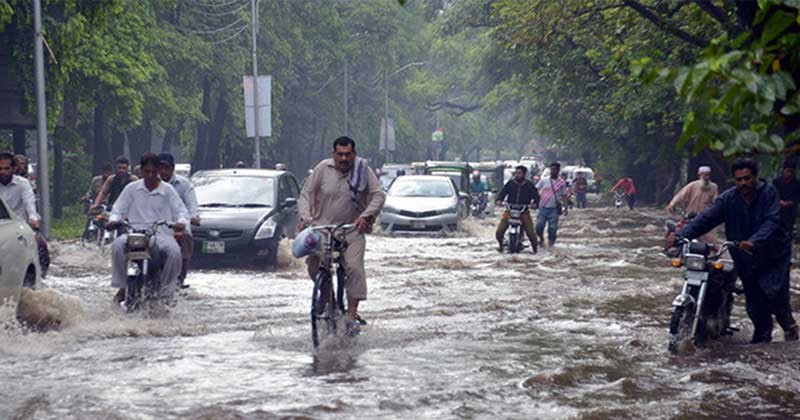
(456, 331)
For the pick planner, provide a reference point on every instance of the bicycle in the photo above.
(325, 305)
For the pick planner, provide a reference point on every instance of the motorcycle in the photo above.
(144, 263)
(619, 199)
(478, 205)
(515, 233)
(702, 310)
(96, 231)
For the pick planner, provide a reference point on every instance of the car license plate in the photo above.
(417, 224)
(213, 247)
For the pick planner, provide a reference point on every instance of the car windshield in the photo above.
(421, 188)
(234, 191)
(455, 176)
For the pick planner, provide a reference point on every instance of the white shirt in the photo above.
(142, 208)
(18, 194)
(185, 191)
(548, 196)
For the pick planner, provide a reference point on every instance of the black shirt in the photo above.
(788, 191)
(519, 193)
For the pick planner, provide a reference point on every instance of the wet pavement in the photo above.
(456, 330)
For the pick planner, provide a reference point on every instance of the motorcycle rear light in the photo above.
(676, 262)
(137, 241)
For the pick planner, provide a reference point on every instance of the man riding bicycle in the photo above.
(344, 190)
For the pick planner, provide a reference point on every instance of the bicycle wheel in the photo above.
(321, 306)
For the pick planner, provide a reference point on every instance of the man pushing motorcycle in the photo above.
(751, 214)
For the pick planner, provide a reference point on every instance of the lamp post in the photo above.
(41, 120)
(386, 102)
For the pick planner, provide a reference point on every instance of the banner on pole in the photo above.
(264, 106)
(389, 139)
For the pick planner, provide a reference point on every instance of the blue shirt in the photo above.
(759, 223)
(477, 187)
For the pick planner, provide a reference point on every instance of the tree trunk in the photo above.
(198, 160)
(58, 174)
(117, 143)
(100, 148)
(216, 130)
(19, 140)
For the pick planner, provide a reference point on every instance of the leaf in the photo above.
(689, 129)
(776, 25)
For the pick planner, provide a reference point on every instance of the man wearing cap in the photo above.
(789, 194)
(696, 197)
(185, 191)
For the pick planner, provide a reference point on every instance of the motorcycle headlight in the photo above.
(696, 262)
(267, 229)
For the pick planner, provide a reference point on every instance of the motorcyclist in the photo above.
(143, 203)
(114, 185)
(518, 191)
(183, 186)
(97, 183)
(18, 194)
(477, 185)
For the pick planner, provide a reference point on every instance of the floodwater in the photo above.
(456, 330)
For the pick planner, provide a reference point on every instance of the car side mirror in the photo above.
(289, 202)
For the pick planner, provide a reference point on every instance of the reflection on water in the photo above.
(456, 330)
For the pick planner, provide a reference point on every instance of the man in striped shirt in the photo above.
(553, 192)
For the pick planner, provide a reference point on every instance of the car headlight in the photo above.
(696, 262)
(267, 229)
(451, 209)
(390, 209)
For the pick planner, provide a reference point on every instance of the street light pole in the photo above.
(41, 120)
(254, 23)
(346, 104)
(386, 114)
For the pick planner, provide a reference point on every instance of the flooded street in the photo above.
(456, 330)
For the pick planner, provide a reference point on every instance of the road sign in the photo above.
(264, 106)
(391, 137)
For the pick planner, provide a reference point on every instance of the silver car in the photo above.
(19, 256)
(422, 203)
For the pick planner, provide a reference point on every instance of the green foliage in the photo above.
(70, 225)
(741, 93)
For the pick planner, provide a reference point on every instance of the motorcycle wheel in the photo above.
(513, 243)
(133, 293)
(680, 327)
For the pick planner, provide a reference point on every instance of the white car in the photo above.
(423, 203)
(19, 256)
